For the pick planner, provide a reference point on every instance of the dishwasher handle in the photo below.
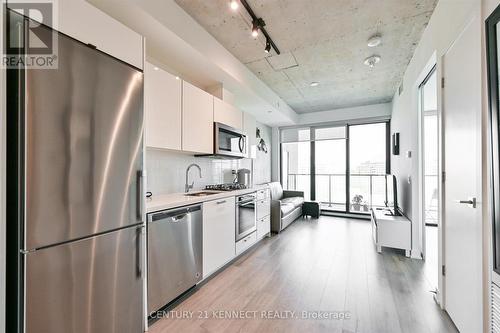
(178, 217)
(173, 215)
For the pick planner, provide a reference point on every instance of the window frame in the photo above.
(312, 182)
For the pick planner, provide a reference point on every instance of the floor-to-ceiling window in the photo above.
(330, 167)
(296, 161)
(367, 166)
(342, 167)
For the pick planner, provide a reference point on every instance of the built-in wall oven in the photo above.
(246, 218)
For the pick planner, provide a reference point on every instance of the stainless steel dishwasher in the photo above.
(174, 254)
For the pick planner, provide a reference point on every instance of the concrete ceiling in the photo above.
(323, 41)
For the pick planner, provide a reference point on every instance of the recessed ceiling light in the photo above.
(234, 4)
(156, 68)
(177, 78)
(372, 61)
(314, 84)
(374, 40)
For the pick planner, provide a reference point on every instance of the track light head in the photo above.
(255, 29)
(268, 47)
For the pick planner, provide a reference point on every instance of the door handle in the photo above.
(470, 201)
(240, 144)
(139, 195)
(221, 202)
(140, 252)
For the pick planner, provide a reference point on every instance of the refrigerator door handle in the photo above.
(140, 252)
(139, 196)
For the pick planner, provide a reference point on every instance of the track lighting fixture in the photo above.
(268, 46)
(258, 25)
(234, 4)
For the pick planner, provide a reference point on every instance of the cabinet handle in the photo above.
(221, 202)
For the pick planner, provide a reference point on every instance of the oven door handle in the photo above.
(244, 203)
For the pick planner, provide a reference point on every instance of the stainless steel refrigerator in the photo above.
(78, 148)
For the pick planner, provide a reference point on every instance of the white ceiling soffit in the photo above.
(321, 41)
(178, 41)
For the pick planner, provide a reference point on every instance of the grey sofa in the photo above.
(286, 206)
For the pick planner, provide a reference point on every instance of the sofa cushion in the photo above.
(276, 190)
(295, 201)
(287, 209)
(289, 204)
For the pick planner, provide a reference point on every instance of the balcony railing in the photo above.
(371, 187)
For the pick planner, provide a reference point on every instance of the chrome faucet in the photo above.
(190, 186)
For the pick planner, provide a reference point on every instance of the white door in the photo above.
(462, 164)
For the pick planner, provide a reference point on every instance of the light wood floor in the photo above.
(327, 265)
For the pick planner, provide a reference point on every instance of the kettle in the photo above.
(244, 177)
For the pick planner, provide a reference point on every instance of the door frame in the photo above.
(475, 18)
(434, 64)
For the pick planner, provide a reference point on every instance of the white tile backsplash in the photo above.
(166, 170)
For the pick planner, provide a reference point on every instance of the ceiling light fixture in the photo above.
(234, 5)
(258, 24)
(255, 29)
(156, 68)
(372, 61)
(374, 40)
(268, 46)
(314, 84)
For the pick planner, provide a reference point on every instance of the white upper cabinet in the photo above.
(86, 23)
(197, 120)
(163, 108)
(227, 114)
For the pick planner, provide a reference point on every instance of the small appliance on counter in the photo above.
(243, 177)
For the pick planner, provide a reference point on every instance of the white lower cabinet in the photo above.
(218, 234)
(245, 243)
(263, 226)
(263, 213)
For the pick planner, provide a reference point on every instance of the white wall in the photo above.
(447, 21)
(373, 111)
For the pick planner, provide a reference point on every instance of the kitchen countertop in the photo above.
(174, 200)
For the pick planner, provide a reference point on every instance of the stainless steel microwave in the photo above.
(229, 142)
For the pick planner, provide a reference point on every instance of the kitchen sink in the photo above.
(200, 194)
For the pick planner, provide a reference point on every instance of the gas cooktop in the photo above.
(226, 187)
